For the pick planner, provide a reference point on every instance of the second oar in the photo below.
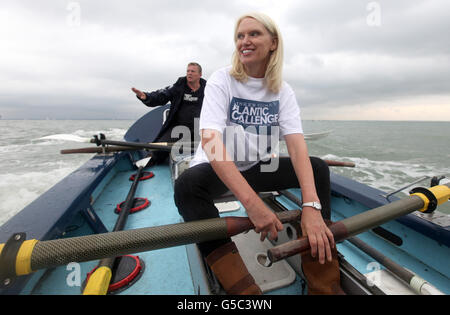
(99, 281)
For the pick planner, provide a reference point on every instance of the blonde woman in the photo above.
(247, 106)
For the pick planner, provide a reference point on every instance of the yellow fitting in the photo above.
(98, 282)
(425, 200)
(23, 258)
(441, 192)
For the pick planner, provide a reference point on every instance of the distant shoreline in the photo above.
(133, 119)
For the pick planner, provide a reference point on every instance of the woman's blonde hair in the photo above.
(274, 71)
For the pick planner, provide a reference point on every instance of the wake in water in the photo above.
(388, 175)
(31, 163)
(65, 137)
(17, 190)
(83, 136)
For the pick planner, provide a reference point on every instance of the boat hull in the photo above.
(83, 203)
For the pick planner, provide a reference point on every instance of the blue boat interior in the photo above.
(84, 202)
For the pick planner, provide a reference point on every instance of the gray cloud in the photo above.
(341, 60)
(52, 68)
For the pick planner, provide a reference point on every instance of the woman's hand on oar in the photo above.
(139, 94)
(320, 238)
(264, 220)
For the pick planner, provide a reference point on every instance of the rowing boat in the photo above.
(54, 244)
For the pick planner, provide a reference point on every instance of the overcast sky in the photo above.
(348, 59)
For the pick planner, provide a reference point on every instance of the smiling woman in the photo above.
(236, 98)
(259, 50)
(254, 45)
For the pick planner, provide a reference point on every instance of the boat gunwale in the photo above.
(372, 198)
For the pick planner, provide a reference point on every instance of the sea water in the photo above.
(388, 155)
(30, 158)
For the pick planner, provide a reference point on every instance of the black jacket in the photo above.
(173, 94)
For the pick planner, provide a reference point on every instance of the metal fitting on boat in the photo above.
(431, 197)
(15, 258)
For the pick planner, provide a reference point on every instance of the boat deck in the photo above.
(166, 270)
(174, 271)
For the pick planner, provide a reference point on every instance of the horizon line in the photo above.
(309, 119)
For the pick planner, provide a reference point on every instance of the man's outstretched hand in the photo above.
(139, 94)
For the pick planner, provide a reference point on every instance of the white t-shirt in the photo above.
(249, 116)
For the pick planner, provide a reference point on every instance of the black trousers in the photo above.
(198, 186)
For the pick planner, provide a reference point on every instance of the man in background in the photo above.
(186, 98)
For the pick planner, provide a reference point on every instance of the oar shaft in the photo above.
(129, 201)
(53, 253)
(409, 278)
(136, 145)
(99, 281)
(398, 270)
(97, 149)
(118, 148)
(291, 197)
(348, 227)
(86, 248)
(339, 163)
(364, 221)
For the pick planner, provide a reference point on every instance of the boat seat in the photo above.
(228, 202)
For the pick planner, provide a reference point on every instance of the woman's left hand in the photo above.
(319, 235)
(264, 220)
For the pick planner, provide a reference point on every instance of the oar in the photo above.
(412, 280)
(98, 282)
(119, 145)
(165, 146)
(96, 149)
(75, 138)
(160, 146)
(424, 200)
(103, 142)
(34, 255)
(339, 163)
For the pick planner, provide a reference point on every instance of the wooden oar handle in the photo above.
(339, 163)
(237, 225)
(300, 245)
(368, 220)
(96, 149)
